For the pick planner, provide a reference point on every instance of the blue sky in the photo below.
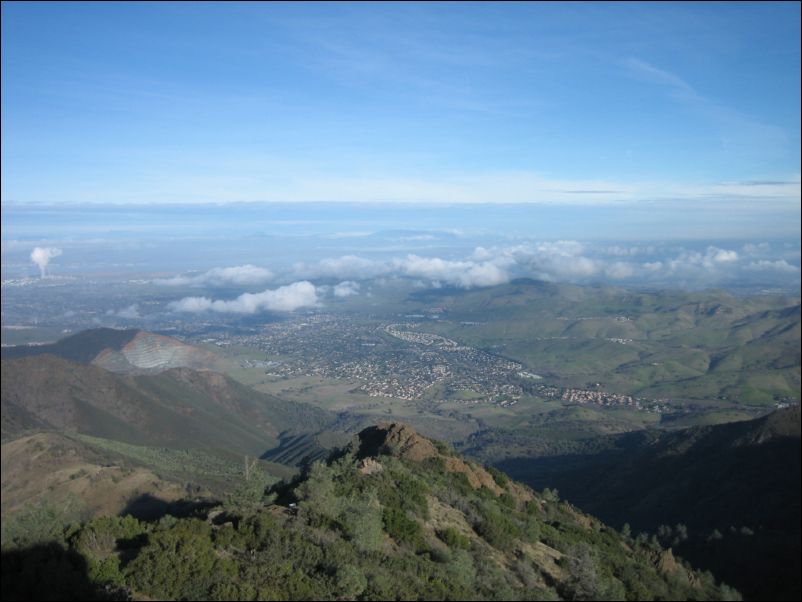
(404, 102)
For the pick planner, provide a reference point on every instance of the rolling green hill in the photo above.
(52, 472)
(687, 346)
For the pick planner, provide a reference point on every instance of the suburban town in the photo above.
(402, 361)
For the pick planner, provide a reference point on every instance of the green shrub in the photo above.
(454, 539)
(499, 477)
(402, 528)
(362, 523)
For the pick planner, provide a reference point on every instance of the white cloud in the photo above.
(715, 255)
(129, 313)
(349, 267)
(713, 259)
(285, 298)
(652, 266)
(464, 274)
(560, 260)
(241, 275)
(481, 254)
(619, 270)
(779, 265)
(622, 251)
(346, 288)
(561, 248)
(191, 304)
(756, 248)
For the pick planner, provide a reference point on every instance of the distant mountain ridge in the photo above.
(122, 351)
(179, 407)
(681, 345)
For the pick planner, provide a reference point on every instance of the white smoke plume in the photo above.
(41, 256)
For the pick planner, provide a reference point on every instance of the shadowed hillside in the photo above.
(734, 487)
(122, 351)
(179, 407)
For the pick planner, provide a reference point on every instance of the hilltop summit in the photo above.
(402, 441)
(395, 439)
(393, 515)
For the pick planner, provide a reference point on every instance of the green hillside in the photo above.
(687, 346)
(177, 408)
(391, 516)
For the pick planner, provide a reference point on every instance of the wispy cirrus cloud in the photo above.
(737, 129)
(650, 73)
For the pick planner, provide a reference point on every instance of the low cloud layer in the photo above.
(573, 261)
(241, 275)
(128, 313)
(347, 267)
(463, 274)
(779, 265)
(346, 288)
(758, 265)
(285, 298)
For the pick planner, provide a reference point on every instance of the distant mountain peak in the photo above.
(147, 351)
(123, 351)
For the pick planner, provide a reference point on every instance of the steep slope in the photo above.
(391, 516)
(740, 479)
(296, 450)
(50, 470)
(81, 348)
(178, 408)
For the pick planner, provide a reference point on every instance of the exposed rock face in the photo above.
(369, 466)
(666, 563)
(401, 440)
(395, 439)
(148, 352)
